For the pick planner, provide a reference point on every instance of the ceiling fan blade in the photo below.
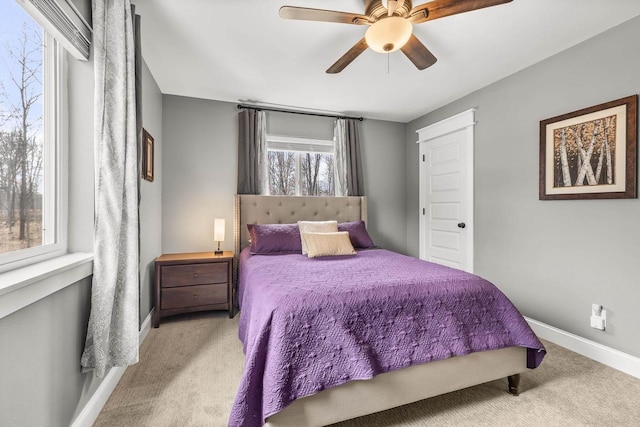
(348, 57)
(306, 14)
(418, 53)
(440, 8)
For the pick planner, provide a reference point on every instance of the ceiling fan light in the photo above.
(388, 34)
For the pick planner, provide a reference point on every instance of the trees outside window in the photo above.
(21, 149)
(282, 173)
(30, 160)
(300, 166)
(317, 174)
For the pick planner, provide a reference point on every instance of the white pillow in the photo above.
(315, 227)
(328, 244)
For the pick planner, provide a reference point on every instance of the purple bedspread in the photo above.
(307, 324)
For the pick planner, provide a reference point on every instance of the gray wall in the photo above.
(552, 258)
(150, 193)
(200, 171)
(383, 160)
(40, 360)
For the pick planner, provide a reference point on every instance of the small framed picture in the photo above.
(590, 153)
(147, 156)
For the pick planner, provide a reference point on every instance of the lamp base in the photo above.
(218, 252)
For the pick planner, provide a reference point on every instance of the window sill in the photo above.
(26, 285)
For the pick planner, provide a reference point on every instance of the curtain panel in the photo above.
(112, 335)
(252, 152)
(348, 162)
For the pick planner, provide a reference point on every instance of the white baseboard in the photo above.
(92, 409)
(611, 357)
(145, 327)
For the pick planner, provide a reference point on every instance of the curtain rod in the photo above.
(304, 113)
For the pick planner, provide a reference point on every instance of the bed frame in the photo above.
(385, 391)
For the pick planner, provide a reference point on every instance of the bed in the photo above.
(373, 373)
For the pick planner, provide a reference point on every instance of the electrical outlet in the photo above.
(598, 317)
(597, 322)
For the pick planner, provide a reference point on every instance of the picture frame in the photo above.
(590, 153)
(147, 167)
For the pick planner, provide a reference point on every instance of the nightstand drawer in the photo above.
(194, 274)
(193, 296)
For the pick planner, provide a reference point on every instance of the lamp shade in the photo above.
(388, 34)
(218, 229)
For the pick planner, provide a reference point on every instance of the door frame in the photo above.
(461, 121)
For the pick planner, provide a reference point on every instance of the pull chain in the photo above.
(388, 66)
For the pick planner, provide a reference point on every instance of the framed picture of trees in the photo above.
(590, 153)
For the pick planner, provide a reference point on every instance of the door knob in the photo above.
(461, 225)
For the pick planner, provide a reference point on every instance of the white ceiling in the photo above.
(240, 50)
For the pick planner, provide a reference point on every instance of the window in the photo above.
(31, 227)
(300, 166)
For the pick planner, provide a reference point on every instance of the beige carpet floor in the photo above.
(190, 367)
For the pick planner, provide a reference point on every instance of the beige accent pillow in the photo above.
(315, 227)
(327, 244)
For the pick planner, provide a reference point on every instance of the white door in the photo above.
(446, 192)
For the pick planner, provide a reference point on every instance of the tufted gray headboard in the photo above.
(252, 209)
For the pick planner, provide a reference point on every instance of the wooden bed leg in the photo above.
(514, 384)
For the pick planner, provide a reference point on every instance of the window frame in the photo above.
(54, 205)
(298, 145)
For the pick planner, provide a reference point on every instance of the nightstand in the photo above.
(190, 282)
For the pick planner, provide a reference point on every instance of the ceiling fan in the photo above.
(390, 25)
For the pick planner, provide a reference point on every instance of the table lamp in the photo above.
(218, 233)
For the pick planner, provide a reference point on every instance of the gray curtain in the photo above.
(138, 88)
(348, 162)
(137, 40)
(252, 152)
(112, 335)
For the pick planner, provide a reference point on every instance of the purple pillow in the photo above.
(357, 233)
(274, 238)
